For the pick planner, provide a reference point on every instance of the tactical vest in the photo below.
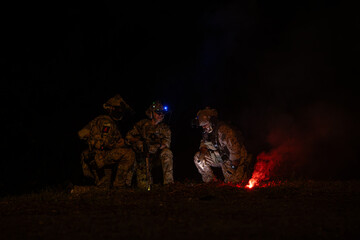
(103, 133)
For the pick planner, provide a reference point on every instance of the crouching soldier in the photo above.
(150, 139)
(107, 160)
(221, 146)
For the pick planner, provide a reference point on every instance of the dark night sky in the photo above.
(278, 70)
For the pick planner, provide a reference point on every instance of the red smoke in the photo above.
(307, 144)
(268, 162)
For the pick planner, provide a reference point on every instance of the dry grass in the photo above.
(188, 210)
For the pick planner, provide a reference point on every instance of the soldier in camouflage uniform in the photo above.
(151, 138)
(221, 146)
(107, 160)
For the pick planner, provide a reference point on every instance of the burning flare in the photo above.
(266, 162)
(252, 183)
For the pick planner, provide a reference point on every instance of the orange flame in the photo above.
(252, 183)
(264, 165)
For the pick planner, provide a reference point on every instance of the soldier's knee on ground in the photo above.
(197, 158)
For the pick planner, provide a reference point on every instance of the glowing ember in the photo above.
(252, 183)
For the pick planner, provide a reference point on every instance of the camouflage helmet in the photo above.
(115, 101)
(118, 104)
(206, 115)
(157, 107)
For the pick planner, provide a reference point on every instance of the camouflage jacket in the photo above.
(102, 133)
(145, 131)
(227, 141)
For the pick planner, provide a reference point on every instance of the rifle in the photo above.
(147, 151)
(147, 162)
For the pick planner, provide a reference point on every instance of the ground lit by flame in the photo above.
(266, 163)
(254, 183)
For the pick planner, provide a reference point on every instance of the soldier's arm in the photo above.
(132, 135)
(84, 133)
(202, 146)
(134, 138)
(233, 144)
(119, 140)
(203, 150)
(166, 138)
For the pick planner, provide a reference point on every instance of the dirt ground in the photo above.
(187, 210)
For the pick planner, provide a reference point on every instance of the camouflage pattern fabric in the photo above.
(154, 136)
(224, 149)
(107, 150)
(141, 177)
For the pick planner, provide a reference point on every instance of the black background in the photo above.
(279, 70)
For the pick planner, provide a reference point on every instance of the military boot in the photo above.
(105, 180)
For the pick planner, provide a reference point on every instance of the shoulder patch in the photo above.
(106, 127)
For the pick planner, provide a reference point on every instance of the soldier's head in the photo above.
(156, 112)
(207, 118)
(117, 107)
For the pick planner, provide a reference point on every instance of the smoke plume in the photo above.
(315, 142)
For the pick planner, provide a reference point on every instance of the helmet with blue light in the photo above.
(156, 107)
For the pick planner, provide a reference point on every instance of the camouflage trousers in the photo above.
(114, 167)
(232, 172)
(166, 158)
